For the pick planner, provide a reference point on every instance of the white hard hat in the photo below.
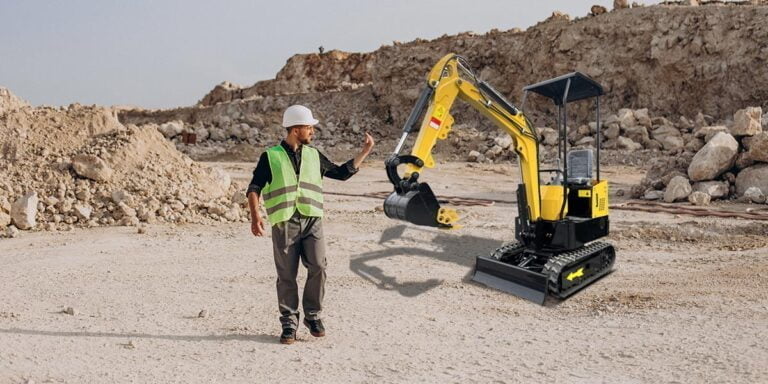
(298, 115)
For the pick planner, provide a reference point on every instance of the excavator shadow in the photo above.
(409, 241)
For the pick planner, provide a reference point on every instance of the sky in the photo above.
(170, 53)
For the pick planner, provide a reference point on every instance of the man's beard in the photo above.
(306, 140)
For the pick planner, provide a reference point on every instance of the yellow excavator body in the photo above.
(555, 251)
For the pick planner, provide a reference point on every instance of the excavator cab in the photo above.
(558, 223)
(558, 254)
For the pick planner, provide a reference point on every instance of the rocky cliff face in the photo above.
(331, 71)
(673, 60)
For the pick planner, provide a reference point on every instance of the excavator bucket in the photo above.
(420, 207)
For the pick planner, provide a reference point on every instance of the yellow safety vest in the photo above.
(284, 194)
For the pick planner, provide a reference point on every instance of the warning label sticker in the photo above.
(434, 122)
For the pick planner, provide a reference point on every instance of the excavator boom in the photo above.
(413, 201)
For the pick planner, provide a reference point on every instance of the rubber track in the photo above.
(555, 265)
(506, 248)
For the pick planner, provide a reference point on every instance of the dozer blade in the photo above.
(521, 282)
(419, 207)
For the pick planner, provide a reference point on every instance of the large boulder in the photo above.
(757, 147)
(717, 156)
(638, 134)
(755, 176)
(171, 128)
(24, 210)
(628, 144)
(754, 195)
(549, 135)
(747, 122)
(217, 134)
(643, 118)
(626, 118)
(91, 167)
(669, 137)
(613, 131)
(678, 189)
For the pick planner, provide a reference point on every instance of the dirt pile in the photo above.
(9, 101)
(78, 166)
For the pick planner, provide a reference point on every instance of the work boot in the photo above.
(315, 327)
(288, 336)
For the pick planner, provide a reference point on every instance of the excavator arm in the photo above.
(451, 79)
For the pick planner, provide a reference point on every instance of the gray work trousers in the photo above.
(299, 238)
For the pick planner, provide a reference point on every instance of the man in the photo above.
(289, 177)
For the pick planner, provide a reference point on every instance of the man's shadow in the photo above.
(452, 248)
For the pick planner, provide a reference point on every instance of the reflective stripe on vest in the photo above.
(284, 194)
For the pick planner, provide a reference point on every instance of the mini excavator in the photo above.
(558, 223)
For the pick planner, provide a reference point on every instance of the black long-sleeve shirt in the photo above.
(263, 174)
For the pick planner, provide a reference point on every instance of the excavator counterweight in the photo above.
(556, 251)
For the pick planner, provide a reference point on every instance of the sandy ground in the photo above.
(687, 303)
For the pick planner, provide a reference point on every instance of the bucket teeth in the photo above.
(447, 216)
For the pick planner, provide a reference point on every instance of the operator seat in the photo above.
(580, 166)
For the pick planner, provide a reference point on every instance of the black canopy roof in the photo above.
(582, 87)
